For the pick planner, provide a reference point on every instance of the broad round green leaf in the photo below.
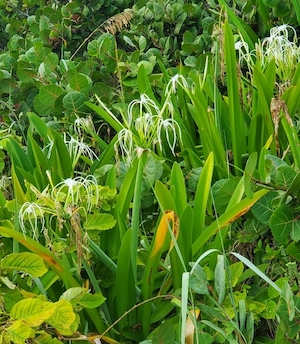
(74, 101)
(148, 66)
(81, 83)
(283, 176)
(198, 281)
(263, 208)
(164, 334)
(283, 224)
(222, 191)
(44, 103)
(51, 62)
(93, 48)
(26, 262)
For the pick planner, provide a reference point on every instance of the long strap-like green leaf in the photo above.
(225, 219)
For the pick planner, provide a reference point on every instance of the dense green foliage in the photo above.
(150, 171)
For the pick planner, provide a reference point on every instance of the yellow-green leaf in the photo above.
(45, 338)
(27, 262)
(19, 332)
(63, 317)
(33, 312)
(236, 270)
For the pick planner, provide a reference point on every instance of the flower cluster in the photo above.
(277, 47)
(148, 125)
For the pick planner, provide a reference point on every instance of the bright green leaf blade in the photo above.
(249, 170)
(39, 125)
(99, 222)
(26, 262)
(164, 197)
(124, 279)
(201, 197)
(180, 196)
(225, 219)
(257, 271)
(115, 124)
(236, 118)
(91, 300)
(220, 279)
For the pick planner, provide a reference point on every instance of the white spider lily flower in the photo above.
(168, 125)
(77, 148)
(145, 103)
(73, 191)
(83, 123)
(143, 128)
(244, 53)
(49, 147)
(176, 80)
(126, 145)
(32, 213)
(278, 47)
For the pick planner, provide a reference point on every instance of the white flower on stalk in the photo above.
(145, 103)
(72, 191)
(32, 213)
(126, 145)
(177, 79)
(49, 146)
(244, 53)
(277, 47)
(83, 123)
(77, 148)
(168, 125)
(144, 126)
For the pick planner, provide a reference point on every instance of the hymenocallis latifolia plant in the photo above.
(281, 47)
(129, 236)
